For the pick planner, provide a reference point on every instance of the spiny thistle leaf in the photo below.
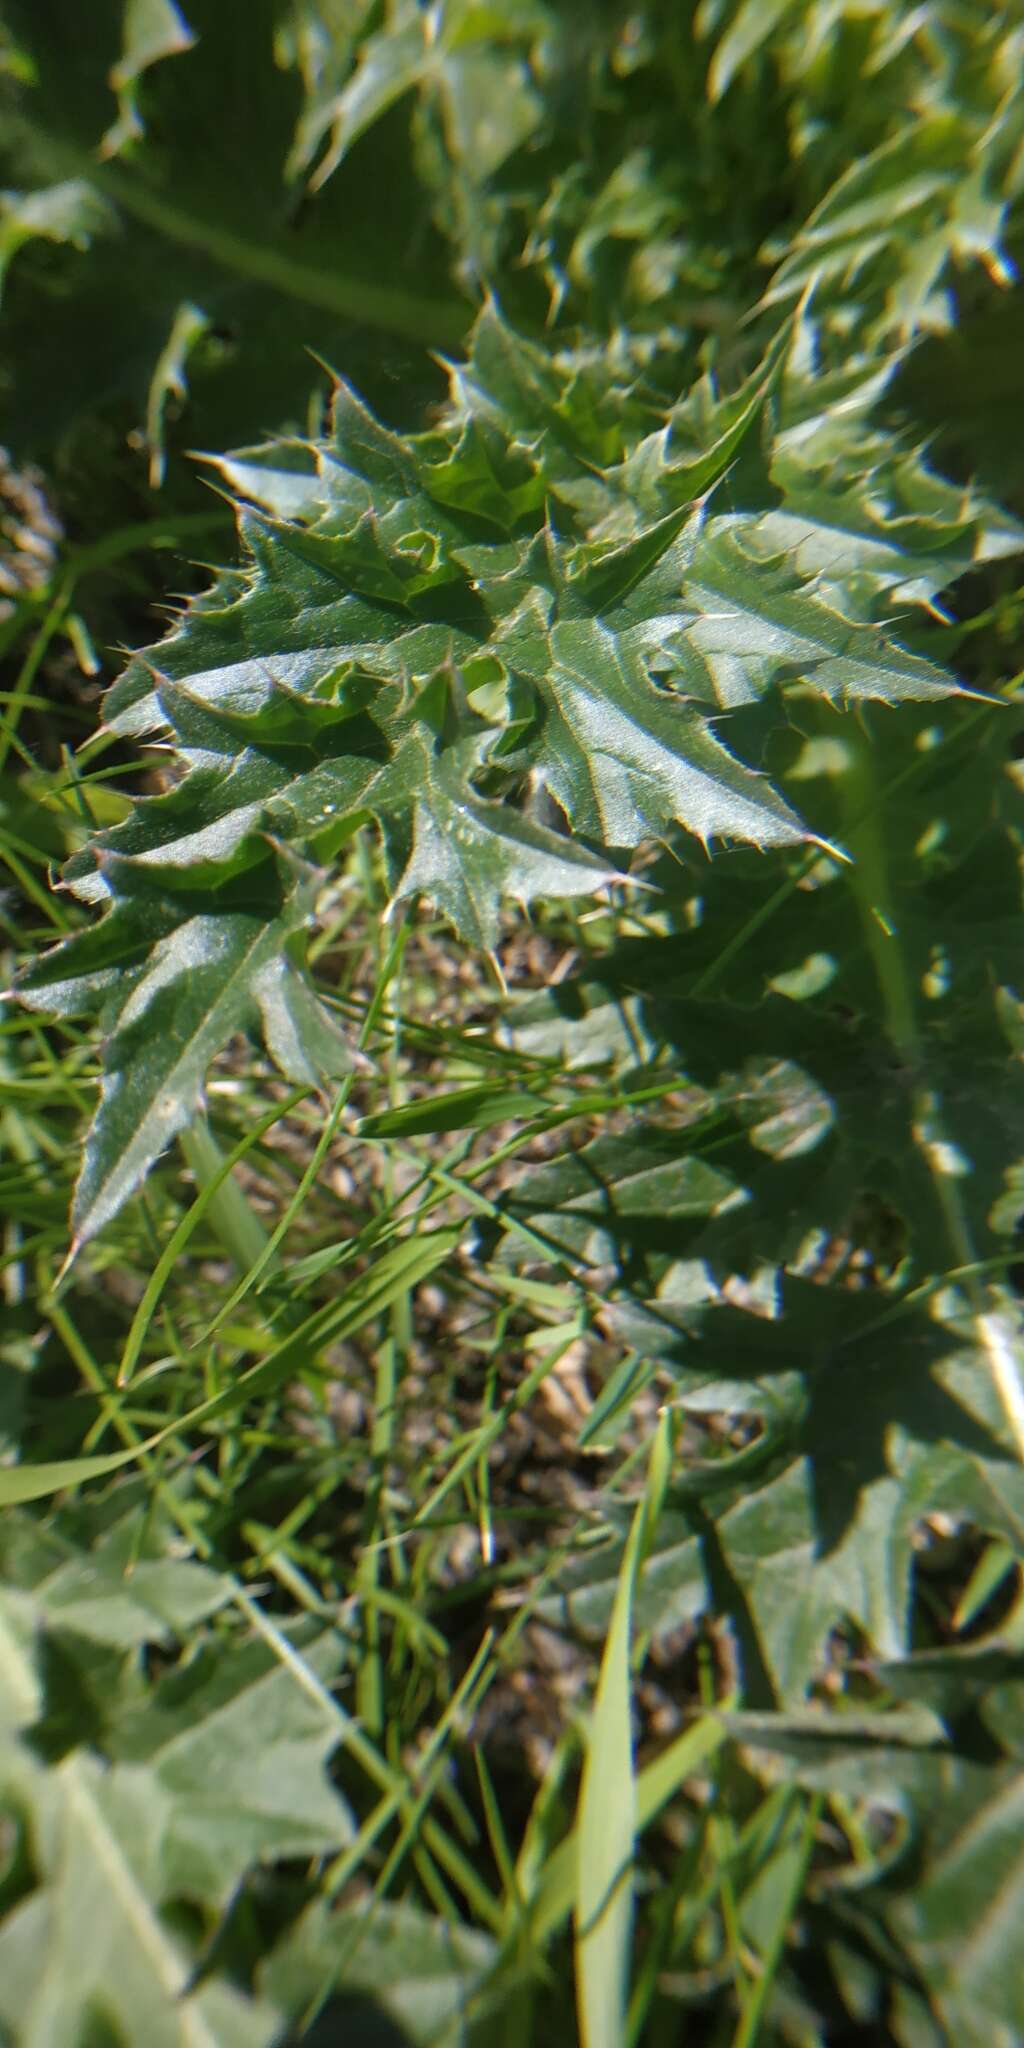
(517, 700)
(174, 980)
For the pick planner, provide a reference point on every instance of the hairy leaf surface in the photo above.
(138, 1797)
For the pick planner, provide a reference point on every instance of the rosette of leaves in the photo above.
(476, 637)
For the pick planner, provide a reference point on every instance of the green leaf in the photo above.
(237, 1746)
(751, 621)
(68, 212)
(216, 1766)
(92, 1945)
(213, 974)
(420, 1968)
(20, 1689)
(938, 1923)
(90, 1567)
(806, 1541)
(802, 1129)
(152, 29)
(750, 29)
(912, 183)
(380, 657)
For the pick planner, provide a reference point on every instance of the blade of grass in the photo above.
(389, 968)
(608, 1812)
(721, 1836)
(786, 1902)
(403, 1267)
(233, 1218)
(50, 625)
(393, 1783)
(995, 1564)
(554, 1892)
(487, 1434)
(177, 1242)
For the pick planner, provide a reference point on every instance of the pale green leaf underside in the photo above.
(199, 1788)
